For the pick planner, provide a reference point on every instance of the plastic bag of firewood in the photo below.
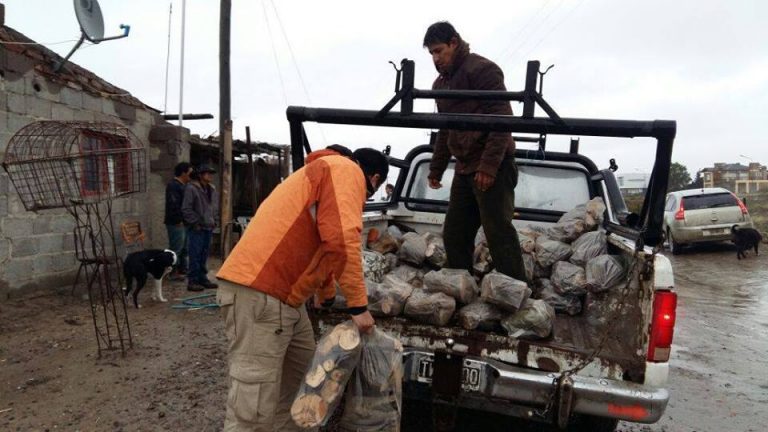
(336, 356)
(504, 292)
(483, 263)
(534, 320)
(431, 308)
(595, 213)
(605, 272)
(389, 298)
(413, 250)
(527, 243)
(550, 251)
(569, 279)
(373, 400)
(588, 246)
(412, 275)
(382, 242)
(435, 252)
(374, 265)
(392, 262)
(458, 284)
(568, 304)
(480, 316)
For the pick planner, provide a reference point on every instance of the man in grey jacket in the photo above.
(199, 210)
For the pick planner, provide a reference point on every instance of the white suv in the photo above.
(702, 215)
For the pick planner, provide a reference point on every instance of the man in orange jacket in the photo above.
(305, 234)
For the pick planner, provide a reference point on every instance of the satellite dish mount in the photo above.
(91, 21)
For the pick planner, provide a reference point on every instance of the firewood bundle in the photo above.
(336, 356)
(373, 399)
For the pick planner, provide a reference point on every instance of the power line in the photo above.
(553, 28)
(39, 43)
(514, 38)
(274, 53)
(168, 56)
(530, 35)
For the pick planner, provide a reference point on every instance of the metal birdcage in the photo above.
(56, 164)
(83, 166)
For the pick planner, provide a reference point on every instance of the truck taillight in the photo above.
(680, 213)
(662, 326)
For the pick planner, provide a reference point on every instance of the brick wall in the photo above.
(37, 248)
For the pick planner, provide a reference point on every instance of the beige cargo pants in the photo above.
(270, 347)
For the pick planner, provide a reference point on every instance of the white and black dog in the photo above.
(138, 265)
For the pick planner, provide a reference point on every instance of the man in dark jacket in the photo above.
(174, 221)
(199, 210)
(482, 192)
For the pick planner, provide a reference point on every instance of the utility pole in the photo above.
(225, 125)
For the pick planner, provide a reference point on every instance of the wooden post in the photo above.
(225, 127)
(254, 195)
(226, 190)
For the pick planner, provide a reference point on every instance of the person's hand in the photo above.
(483, 181)
(364, 322)
(435, 183)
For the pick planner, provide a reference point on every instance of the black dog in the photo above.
(138, 265)
(745, 239)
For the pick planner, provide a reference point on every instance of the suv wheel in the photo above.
(674, 247)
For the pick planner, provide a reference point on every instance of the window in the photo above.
(670, 204)
(699, 202)
(538, 187)
(105, 170)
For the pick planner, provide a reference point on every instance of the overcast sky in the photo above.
(703, 63)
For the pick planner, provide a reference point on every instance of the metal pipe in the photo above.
(567, 126)
(168, 57)
(468, 94)
(181, 67)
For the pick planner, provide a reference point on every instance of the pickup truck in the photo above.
(591, 373)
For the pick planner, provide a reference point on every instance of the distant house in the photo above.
(742, 179)
(633, 183)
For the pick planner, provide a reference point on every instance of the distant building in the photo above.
(739, 178)
(633, 183)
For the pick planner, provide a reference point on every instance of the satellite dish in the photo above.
(91, 21)
(90, 18)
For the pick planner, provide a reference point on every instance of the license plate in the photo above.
(717, 232)
(470, 373)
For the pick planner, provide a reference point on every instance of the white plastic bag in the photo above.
(568, 304)
(534, 320)
(336, 356)
(550, 251)
(456, 283)
(413, 250)
(504, 292)
(435, 308)
(605, 272)
(412, 275)
(374, 265)
(480, 316)
(373, 399)
(389, 297)
(569, 279)
(588, 246)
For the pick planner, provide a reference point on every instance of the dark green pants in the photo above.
(493, 209)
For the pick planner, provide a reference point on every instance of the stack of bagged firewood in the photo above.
(565, 263)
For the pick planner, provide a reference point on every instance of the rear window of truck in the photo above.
(538, 187)
(699, 202)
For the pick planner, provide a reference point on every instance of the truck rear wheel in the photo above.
(594, 424)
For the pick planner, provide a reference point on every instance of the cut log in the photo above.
(331, 391)
(337, 375)
(309, 410)
(315, 377)
(328, 365)
(349, 339)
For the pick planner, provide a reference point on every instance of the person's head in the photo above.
(375, 167)
(442, 41)
(389, 189)
(183, 171)
(205, 174)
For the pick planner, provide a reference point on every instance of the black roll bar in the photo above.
(649, 223)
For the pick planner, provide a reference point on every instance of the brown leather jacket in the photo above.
(474, 151)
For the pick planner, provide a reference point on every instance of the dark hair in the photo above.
(372, 162)
(181, 168)
(440, 32)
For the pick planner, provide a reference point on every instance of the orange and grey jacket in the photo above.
(305, 234)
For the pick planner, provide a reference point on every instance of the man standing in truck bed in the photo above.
(304, 235)
(483, 189)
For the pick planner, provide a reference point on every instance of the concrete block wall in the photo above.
(37, 249)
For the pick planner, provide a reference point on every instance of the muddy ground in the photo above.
(174, 376)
